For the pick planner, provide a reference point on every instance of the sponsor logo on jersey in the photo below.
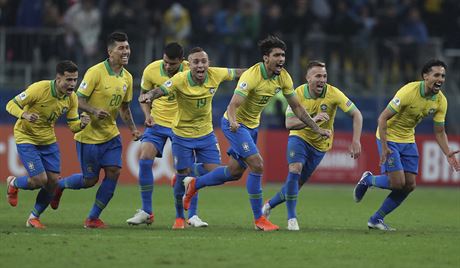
(23, 96)
(396, 101)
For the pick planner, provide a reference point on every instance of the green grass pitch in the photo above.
(333, 231)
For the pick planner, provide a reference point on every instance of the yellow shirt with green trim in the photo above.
(103, 89)
(163, 109)
(257, 89)
(411, 105)
(42, 98)
(194, 117)
(330, 99)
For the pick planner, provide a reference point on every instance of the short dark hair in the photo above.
(269, 43)
(66, 66)
(116, 37)
(195, 50)
(433, 62)
(174, 51)
(315, 63)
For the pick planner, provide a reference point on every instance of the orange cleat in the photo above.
(179, 223)
(95, 223)
(265, 225)
(35, 223)
(190, 191)
(11, 192)
(173, 181)
(54, 204)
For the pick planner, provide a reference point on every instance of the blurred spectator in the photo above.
(177, 25)
(228, 25)
(30, 14)
(299, 19)
(8, 10)
(248, 35)
(83, 25)
(272, 20)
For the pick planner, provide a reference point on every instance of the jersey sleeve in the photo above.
(146, 81)
(344, 103)
(245, 84)
(229, 74)
(73, 120)
(400, 100)
(287, 86)
(88, 84)
(170, 86)
(440, 116)
(129, 89)
(28, 97)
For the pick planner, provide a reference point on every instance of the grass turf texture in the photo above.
(333, 231)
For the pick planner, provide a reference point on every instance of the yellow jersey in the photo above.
(104, 90)
(163, 109)
(411, 105)
(257, 89)
(330, 99)
(42, 98)
(194, 117)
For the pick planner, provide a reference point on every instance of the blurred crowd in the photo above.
(230, 29)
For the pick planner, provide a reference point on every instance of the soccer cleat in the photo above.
(293, 225)
(266, 210)
(35, 223)
(140, 217)
(361, 187)
(11, 191)
(265, 225)
(379, 224)
(173, 180)
(179, 223)
(54, 204)
(190, 190)
(94, 223)
(195, 221)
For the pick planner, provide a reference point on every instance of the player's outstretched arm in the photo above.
(355, 146)
(151, 95)
(300, 112)
(441, 138)
(127, 117)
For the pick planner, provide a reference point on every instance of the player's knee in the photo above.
(295, 168)
(90, 182)
(257, 167)
(409, 187)
(38, 181)
(112, 172)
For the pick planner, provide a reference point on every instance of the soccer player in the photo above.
(396, 140)
(105, 91)
(193, 136)
(158, 120)
(37, 109)
(240, 126)
(305, 148)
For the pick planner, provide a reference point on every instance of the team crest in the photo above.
(168, 83)
(31, 166)
(291, 154)
(391, 162)
(212, 90)
(278, 89)
(89, 169)
(431, 111)
(245, 146)
(83, 85)
(323, 107)
(22, 96)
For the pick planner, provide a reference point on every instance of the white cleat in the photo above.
(293, 225)
(266, 210)
(141, 217)
(195, 221)
(379, 225)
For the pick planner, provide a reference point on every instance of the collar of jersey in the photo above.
(163, 70)
(422, 91)
(191, 82)
(53, 90)
(109, 69)
(307, 95)
(264, 72)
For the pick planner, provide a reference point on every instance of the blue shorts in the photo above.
(187, 151)
(404, 157)
(243, 142)
(300, 151)
(93, 157)
(40, 158)
(157, 135)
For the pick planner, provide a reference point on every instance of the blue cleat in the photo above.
(379, 225)
(361, 187)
